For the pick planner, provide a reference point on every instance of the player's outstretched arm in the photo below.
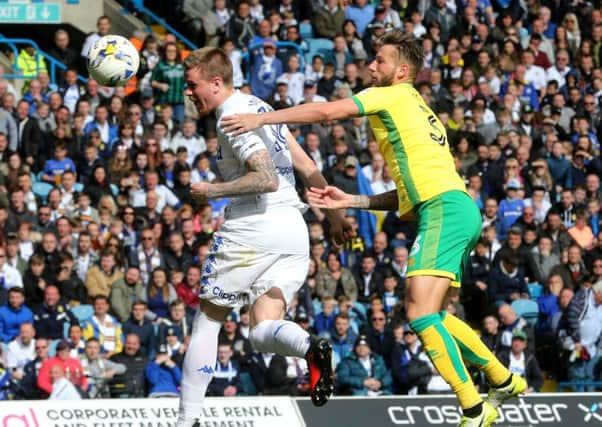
(333, 198)
(261, 177)
(312, 177)
(314, 112)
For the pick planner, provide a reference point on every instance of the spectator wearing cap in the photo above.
(342, 338)
(163, 375)
(521, 361)
(506, 281)
(178, 318)
(226, 375)
(231, 335)
(14, 314)
(510, 208)
(410, 372)
(98, 371)
(310, 92)
(52, 316)
(584, 326)
(328, 20)
(280, 98)
(104, 327)
(176, 348)
(71, 367)
(266, 68)
(363, 372)
(139, 325)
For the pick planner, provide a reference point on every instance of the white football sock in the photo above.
(199, 363)
(280, 336)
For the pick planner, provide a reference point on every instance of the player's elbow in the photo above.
(272, 185)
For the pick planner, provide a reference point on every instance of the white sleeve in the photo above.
(87, 45)
(246, 144)
(170, 197)
(11, 359)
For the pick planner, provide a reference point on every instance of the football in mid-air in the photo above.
(113, 60)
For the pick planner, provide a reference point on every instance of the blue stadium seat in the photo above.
(78, 187)
(82, 312)
(317, 45)
(527, 309)
(306, 31)
(114, 190)
(247, 386)
(52, 348)
(41, 189)
(535, 290)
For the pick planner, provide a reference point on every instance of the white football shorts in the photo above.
(234, 275)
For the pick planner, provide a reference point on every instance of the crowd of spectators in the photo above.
(102, 243)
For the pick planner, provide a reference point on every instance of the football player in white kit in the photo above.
(260, 255)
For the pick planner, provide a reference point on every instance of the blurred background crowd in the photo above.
(103, 245)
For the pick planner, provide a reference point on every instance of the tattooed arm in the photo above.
(333, 198)
(261, 177)
(379, 202)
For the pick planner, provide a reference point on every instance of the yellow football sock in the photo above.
(474, 350)
(443, 351)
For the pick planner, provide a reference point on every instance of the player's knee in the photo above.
(260, 336)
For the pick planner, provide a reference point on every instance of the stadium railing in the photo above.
(53, 63)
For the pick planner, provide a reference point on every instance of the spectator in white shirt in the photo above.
(165, 196)
(560, 69)
(103, 27)
(21, 351)
(188, 138)
(533, 73)
(62, 388)
(9, 276)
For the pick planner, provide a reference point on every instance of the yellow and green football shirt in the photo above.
(413, 142)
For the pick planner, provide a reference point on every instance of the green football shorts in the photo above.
(449, 226)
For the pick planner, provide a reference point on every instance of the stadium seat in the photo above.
(78, 187)
(52, 348)
(316, 45)
(83, 312)
(527, 309)
(247, 385)
(114, 190)
(41, 189)
(306, 31)
(535, 290)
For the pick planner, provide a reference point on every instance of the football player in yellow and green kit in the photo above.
(414, 144)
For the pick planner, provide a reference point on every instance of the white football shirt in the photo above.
(271, 221)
